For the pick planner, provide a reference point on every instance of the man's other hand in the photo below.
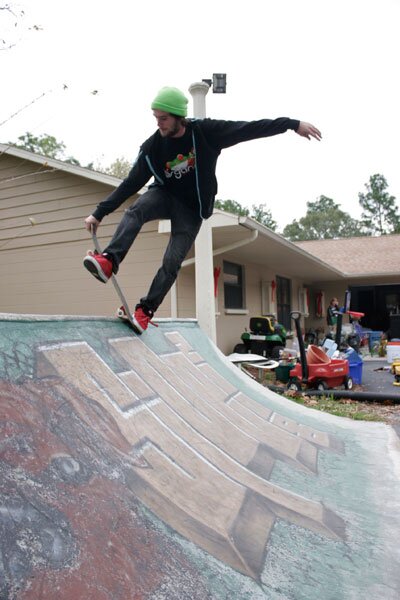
(308, 131)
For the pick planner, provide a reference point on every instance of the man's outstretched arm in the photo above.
(308, 131)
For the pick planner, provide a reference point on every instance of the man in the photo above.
(331, 315)
(181, 156)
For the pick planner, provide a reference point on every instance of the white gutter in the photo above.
(373, 275)
(251, 238)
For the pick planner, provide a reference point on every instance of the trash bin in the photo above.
(355, 365)
(355, 372)
(373, 337)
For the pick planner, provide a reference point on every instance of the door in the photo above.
(284, 301)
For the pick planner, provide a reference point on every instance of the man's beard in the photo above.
(173, 131)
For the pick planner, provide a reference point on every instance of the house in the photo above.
(43, 204)
(370, 270)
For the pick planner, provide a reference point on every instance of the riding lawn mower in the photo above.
(266, 338)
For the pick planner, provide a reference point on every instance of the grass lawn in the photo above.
(352, 409)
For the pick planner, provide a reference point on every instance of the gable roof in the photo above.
(359, 256)
(59, 165)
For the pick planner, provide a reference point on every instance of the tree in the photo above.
(47, 145)
(260, 213)
(379, 214)
(233, 207)
(264, 216)
(44, 144)
(119, 168)
(324, 220)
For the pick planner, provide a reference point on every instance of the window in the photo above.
(303, 302)
(233, 285)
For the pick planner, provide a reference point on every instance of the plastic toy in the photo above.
(395, 370)
(315, 369)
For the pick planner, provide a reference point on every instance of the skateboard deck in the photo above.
(123, 312)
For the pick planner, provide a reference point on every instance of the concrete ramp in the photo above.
(149, 467)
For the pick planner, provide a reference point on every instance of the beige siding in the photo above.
(186, 293)
(41, 267)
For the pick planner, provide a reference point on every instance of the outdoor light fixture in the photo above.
(218, 83)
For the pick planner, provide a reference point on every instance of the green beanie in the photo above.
(171, 100)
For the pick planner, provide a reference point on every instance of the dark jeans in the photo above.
(155, 204)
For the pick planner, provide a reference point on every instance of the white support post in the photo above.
(204, 264)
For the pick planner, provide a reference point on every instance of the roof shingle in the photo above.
(358, 255)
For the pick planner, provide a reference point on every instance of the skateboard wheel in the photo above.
(121, 312)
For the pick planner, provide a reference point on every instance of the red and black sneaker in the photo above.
(99, 265)
(141, 318)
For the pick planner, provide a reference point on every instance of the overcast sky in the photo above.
(334, 64)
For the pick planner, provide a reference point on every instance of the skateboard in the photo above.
(123, 312)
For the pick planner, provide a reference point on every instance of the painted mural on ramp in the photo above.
(150, 468)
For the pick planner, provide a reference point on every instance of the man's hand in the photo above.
(308, 131)
(91, 223)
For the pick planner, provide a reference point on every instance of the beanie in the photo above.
(171, 100)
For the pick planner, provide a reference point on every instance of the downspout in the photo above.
(191, 261)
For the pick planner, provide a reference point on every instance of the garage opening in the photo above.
(378, 302)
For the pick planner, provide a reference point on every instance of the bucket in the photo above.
(315, 356)
(392, 351)
(282, 372)
(329, 347)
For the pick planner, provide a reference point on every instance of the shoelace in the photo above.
(152, 323)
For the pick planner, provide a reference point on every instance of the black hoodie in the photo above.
(210, 136)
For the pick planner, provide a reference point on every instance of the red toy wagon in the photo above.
(316, 369)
